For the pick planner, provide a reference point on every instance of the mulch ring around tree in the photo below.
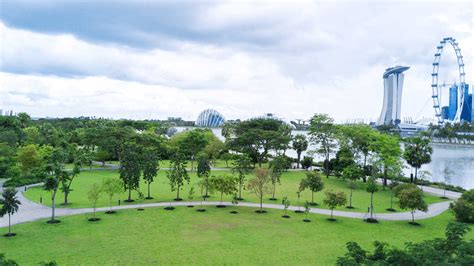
(53, 221)
(286, 216)
(110, 212)
(391, 210)
(93, 219)
(178, 199)
(140, 209)
(306, 220)
(221, 206)
(234, 212)
(371, 221)
(169, 208)
(299, 211)
(414, 223)
(261, 211)
(190, 206)
(331, 219)
(201, 210)
(9, 234)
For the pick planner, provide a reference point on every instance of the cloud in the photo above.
(242, 58)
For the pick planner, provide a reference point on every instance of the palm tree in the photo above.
(10, 205)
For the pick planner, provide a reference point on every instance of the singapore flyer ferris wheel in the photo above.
(437, 89)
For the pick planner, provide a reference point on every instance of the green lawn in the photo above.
(184, 236)
(161, 191)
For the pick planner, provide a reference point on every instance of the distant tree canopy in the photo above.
(257, 137)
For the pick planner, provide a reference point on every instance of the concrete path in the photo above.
(31, 211)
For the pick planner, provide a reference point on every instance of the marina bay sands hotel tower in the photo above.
(392, 98)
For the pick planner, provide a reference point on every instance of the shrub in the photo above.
(463, 208)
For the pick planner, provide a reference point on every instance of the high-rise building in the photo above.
(453, 102)
(466, 113)
(392, 99)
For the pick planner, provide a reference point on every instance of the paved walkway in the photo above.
(31, 211)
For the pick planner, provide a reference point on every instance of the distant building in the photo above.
(210, 118)
(449, 112)
(392, 100)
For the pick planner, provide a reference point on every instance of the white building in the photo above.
(392, 99)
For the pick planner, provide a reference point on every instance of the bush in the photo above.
(463, 208)
(436, 184)
(23, 180)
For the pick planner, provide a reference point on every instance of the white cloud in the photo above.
(293, 59)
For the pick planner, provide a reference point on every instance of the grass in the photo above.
(161, 191)
(184, 236)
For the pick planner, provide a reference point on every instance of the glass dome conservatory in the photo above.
(210, 118)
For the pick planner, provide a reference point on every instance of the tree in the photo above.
(314, 182)
(387, 156)
(177, 175)
(392, 187)
(307, 162)
(286, 203)
(80, 158)
(307, 209)
(257, 137)
(277, 165)
(111, 187)
(29, 158)
(371, 188)
(224, 184)
(417, 152)
(300, 144)
(203, 171)
(352, 173)
(51, 184)
(9, 205)
(226, 156)
(93, 195)
(191, 196)
(192, 142)
(334, 199)
(259, 185)
(450, 250)
(463, 208)
(151, 166)
(412, 198)
(447, 173)
(242, 166)
(322, 133)
(130, 167)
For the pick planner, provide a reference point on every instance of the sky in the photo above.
(156, 59)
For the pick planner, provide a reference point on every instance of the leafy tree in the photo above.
(7, 161)
(322, 133)
(177, 174)
(191, 143)
(300, 144)
(111, 187)
(130, 167)
(371, 188)
(463, 208)
(344, 158)
(257, 137)
(307, 162)
(277, 165)
(141, 198)
(307, 209)
(314, 182)
(259, 185)
(286, 204)
(224, 184)
(29, 158)
(447, 173)
(352, 173)
(392, 187)
(417, 152)
(191, 195)
(451, 250)
(52, 184)
(7, 262)
(226, 156)
(334, 199)
(412, 198)
(387, 151)
(80, 158)
(93, 195)
(213, 149)
(242, 166)
(9, 205)
(151, 166)
(204, 170)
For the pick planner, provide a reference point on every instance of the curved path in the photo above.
(31, 211)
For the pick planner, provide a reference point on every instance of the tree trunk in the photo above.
(207, 187)
(129, 194)
(9, 224)
(298, 161)
(149, 190)
(261, 202)
(53, 205)
(177, 193)
(350, 199)
(413, 216)
(94, 210)
(221, 196)
(312, 196)
(65, 197)
(364, 177)
(240, 190)
(371, 205)
(331, 213)
(385, 177)
(416, 175)
(391, 200)
(274, 188)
